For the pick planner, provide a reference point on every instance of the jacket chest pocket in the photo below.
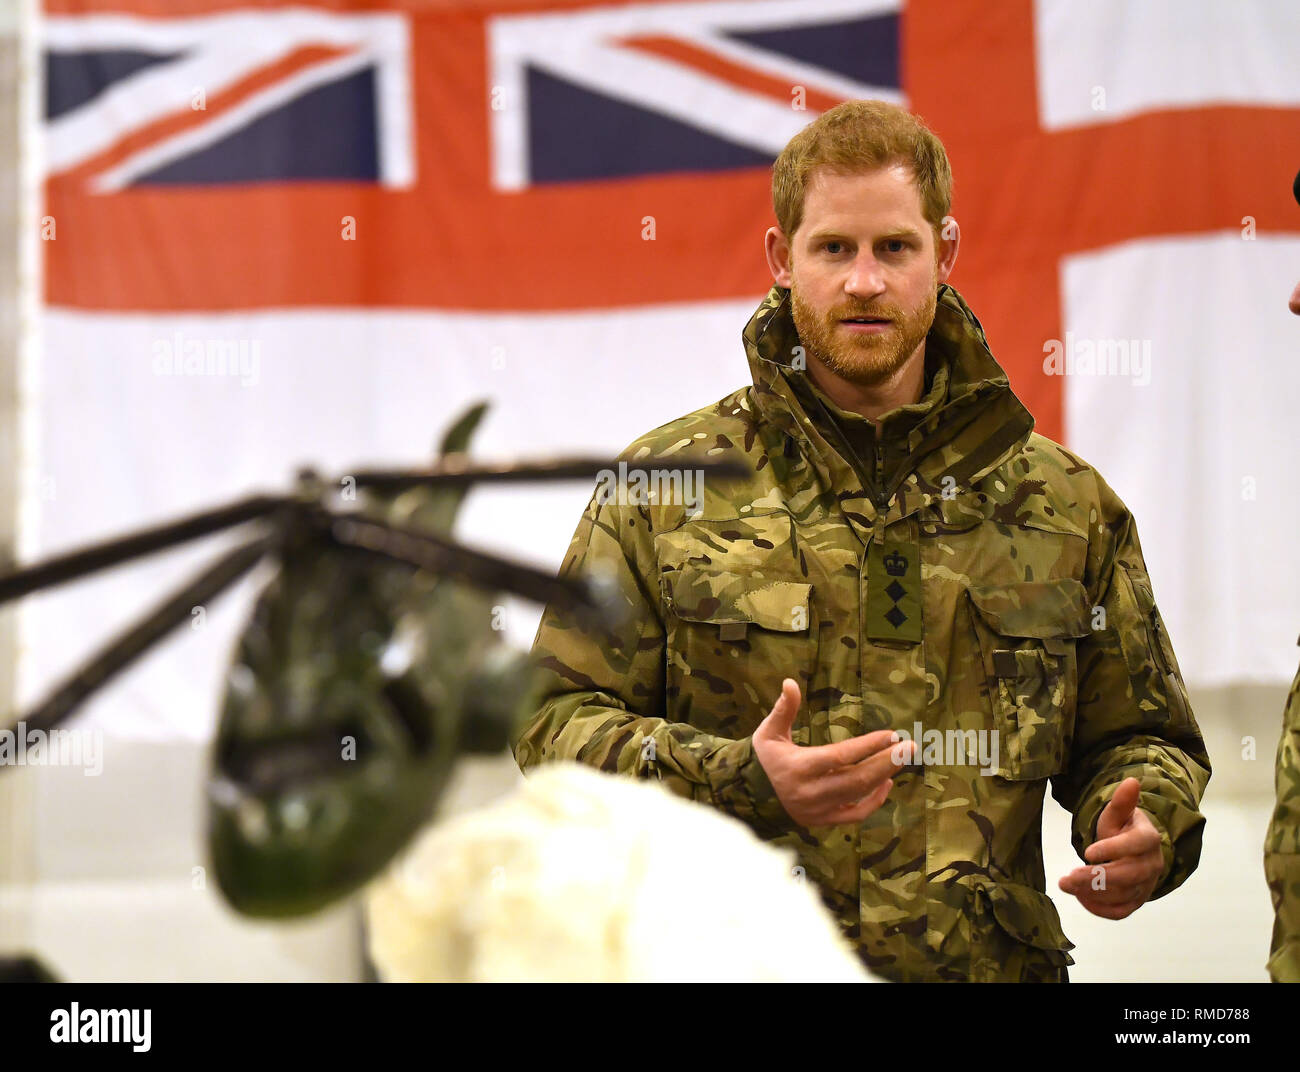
(1027, 634)
(732, 637)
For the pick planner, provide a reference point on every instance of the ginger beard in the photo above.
(863, 359)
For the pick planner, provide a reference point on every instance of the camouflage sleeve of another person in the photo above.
(1282, 848)
(602, 690)
(1133, 717)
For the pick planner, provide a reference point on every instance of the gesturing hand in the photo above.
(1125, 862)
(828, 784)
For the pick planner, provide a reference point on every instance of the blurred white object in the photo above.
(585, 876)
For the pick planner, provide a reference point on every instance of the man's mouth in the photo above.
(866, 323)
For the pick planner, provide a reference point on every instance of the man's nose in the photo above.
(866, 279)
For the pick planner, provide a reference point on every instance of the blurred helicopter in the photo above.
(369, 665)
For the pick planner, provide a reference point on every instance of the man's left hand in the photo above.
(1124, 863)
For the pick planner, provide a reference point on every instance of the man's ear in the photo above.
(777, 250)
(946, 250)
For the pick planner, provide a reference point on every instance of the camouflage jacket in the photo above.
(1282, 848)
(992, 582)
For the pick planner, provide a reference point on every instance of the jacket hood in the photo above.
(978, 426)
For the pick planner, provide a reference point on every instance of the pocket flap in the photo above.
(723, 598)
(1038, 609)
(1027, 915)
(1284, 964)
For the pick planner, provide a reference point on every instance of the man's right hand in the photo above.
(829, 784)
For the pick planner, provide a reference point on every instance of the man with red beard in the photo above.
(911, 617)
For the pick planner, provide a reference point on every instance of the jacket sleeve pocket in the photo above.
(1159, 648)
(1027, 634)
(1017, 935)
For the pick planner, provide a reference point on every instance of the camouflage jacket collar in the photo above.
(893, 427)
(978, 425)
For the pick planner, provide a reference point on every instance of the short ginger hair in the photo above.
(857, 136)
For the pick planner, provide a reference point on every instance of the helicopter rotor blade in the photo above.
(459, 471)
(59, 569)
(128, 646)
(429, 551)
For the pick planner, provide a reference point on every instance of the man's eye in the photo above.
(896, 242)
(827, 246)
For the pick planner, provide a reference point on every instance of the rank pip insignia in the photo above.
(893, 592)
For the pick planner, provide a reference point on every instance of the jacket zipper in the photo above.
(875, 489)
